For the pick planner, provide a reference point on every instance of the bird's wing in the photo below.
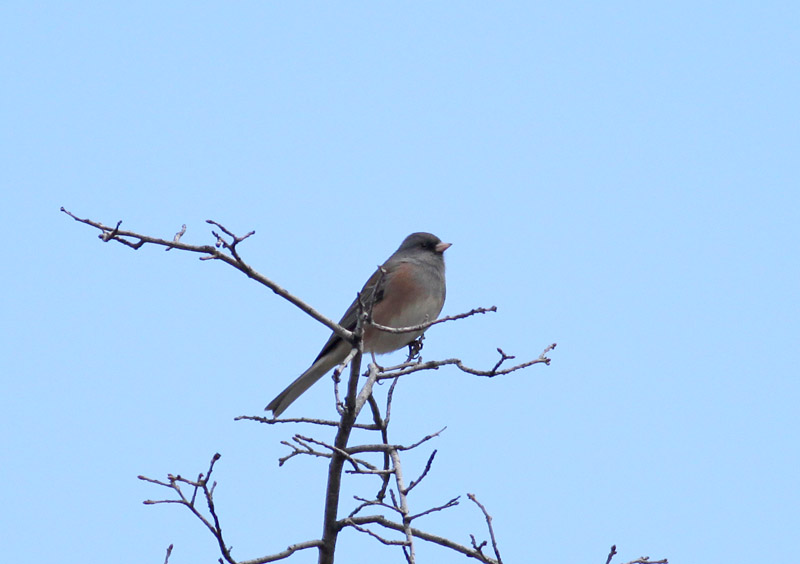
(374, 287)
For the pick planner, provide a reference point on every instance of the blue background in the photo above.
(620, 178)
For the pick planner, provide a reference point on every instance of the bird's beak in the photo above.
(442, 247)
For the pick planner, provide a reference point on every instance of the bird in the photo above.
(408, 289)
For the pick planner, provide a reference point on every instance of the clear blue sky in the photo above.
(621, 178)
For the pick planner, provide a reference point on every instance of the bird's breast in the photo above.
(408, 300)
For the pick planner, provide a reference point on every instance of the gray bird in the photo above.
(410, 291)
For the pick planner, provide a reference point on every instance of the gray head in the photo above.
(425, 242)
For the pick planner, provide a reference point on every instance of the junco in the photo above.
(410, 291)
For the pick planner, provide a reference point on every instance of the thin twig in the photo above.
(374, 503)
(488, 524)
(178, 236)
(169, 552)
(414, 483)
(374, 535)
(423, 326)
(384, 447)
(382, 425)
(503, 357)
(452, 503)
(336, 450)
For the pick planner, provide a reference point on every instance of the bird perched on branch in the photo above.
(407, 290)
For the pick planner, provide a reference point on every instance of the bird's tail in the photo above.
(303, 382)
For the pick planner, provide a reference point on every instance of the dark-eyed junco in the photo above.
(409, 291)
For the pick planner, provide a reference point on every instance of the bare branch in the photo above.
(177, 237)
(221, 242)
(298, 450)
(452, 503)
(291, 549)
(321, 422)
(373, 503)
(385, 447)
(382, 425)
(337, 372)
(374, 471)
(330, 528)
(640, 560)
(211, 252)
(611, 553)
(401, 491)
(441, 541)
(409, 368)
(213, 525)
(503, 357)
(378, 537)
(335, 450)
(478, 547)
(488, 524)
(366, 390)
(389, 397)
(423, 326)
(208, 492)
(224, 230)
(305, 448)
(169, 552)
(424, 473)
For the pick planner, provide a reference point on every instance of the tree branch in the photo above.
(441, 541)
(642, 560)
(321, 422)
(330, 530)
(212, 252)
(409, 368)
(488, 525)
(423, 326)
(201, 484)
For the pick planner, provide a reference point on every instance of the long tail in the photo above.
(305, 381)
